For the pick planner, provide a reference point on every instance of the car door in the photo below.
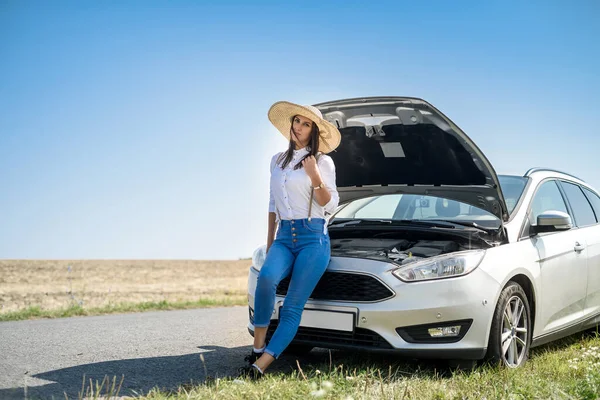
(586, 207)
(562, 261)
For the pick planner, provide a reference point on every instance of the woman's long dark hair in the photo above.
(312, 147)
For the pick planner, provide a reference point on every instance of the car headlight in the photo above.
(258, 258)
(446, 266)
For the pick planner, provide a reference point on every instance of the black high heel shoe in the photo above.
(251, 372)
(252, 357)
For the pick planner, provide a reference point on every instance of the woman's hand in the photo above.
(310, 166)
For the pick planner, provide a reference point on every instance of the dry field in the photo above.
(56, 284)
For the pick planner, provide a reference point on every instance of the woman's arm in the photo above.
(271, 230)
(327, 196)
(322, 195)
(271, 226)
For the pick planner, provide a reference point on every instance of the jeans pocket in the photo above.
(314, 226)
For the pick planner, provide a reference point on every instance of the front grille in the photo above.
(336, 339)
(344, 286)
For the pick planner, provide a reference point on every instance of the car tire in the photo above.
(510, 335)
(298, 349)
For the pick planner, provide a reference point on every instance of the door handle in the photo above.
(578, 247)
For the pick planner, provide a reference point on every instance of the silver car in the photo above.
(434, 255)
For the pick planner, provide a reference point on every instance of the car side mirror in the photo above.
(552, 221)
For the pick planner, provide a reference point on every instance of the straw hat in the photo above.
(282, 112)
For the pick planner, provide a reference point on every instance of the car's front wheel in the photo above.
(510, 336)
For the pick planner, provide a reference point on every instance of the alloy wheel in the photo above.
(514, 332)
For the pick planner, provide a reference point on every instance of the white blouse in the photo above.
(289, 192)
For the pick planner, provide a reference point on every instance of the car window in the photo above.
(512, 189)
(595, 200)
(547, 198)
(584, 215)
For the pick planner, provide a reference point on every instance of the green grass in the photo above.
(35, 312)
(569, 369)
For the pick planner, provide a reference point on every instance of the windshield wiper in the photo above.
(462, 223)
(354, 221)
(440, 223)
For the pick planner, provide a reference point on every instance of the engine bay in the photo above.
(399, 250)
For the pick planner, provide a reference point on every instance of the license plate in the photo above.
(334, 320)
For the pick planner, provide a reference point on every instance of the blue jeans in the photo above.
(302, 248)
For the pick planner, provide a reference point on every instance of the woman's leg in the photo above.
(311, 262)
(277, 266)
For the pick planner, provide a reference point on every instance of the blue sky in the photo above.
(138, 130)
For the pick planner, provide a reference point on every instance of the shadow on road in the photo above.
(170, 372)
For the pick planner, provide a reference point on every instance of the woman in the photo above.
(302, 192)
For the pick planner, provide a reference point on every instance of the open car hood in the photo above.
(405, 145)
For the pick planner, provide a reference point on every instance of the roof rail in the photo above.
(539, 169)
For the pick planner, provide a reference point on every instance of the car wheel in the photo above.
(510, 336)
(297, 349)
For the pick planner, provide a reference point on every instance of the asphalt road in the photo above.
(49, 358)
(44, 359)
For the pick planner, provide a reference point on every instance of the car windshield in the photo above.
(411, 207)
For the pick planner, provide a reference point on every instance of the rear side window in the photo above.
(595, 200)
(584, 214)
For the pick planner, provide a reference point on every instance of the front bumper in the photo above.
(382, 325)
